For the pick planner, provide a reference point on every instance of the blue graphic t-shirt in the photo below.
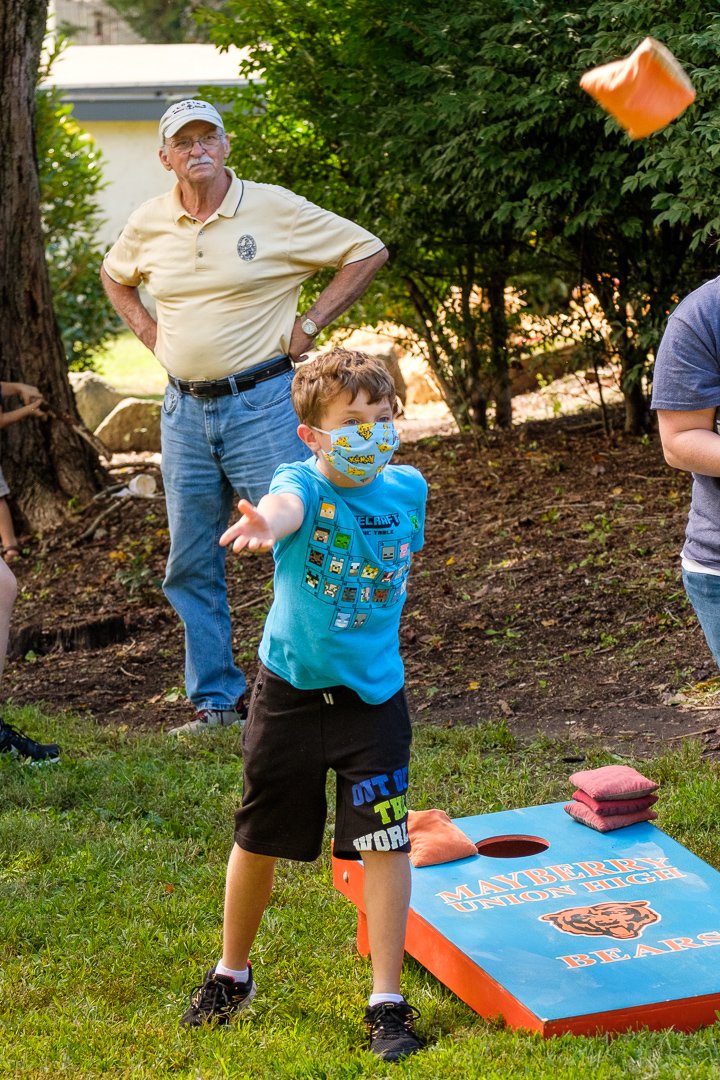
(341, 579)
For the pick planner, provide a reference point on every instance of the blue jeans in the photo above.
(213, 451)
(703, 592)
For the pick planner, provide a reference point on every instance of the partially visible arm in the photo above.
(259, 527)
(126, 301)
(346, 287)
(23, 390)
(12, 417)
(689, 440)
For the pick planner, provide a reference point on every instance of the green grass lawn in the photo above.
(131, 368)
(111, 887)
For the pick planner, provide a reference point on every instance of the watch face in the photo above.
(309, 328)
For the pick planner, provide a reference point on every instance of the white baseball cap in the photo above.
(182, 112)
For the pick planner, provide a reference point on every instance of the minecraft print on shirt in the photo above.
(339, 572)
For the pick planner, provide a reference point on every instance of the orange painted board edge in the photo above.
(681, 1014)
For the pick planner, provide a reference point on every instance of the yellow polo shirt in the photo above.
(226, 289)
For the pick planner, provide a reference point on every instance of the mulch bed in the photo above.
(547, 597)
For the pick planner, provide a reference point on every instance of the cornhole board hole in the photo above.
(558, 928)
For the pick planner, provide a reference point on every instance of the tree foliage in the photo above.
(70, 176)
(316, 122)
(460, 134)
(624, 217)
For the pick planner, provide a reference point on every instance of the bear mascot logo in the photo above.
(622, 921)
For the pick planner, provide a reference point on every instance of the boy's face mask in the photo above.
(361, 451)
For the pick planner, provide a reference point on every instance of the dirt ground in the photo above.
(547, 597)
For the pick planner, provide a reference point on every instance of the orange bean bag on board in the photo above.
(644, 92)
(434, 838)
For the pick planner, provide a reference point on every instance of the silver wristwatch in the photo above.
(309, 327)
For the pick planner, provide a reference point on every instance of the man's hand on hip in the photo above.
(300, 343)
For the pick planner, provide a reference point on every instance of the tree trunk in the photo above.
(637, 410)
(499, 352)
(475, 394)
(439, 352)
(45, 462)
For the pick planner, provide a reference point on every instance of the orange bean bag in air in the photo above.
(644, 92)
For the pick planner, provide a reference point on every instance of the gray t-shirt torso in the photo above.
(687, 378)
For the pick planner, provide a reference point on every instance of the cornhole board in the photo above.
(558, 928)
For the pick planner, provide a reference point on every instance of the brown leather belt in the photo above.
(232, 384)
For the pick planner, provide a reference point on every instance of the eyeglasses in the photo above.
(208, 142)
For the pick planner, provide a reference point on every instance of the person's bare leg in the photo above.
(387, 898)
(8, 592)
(248, 886)
(7, 531)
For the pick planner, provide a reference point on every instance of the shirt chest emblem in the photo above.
(247, 248)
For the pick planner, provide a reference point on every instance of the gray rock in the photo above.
(94, 397)
(134, 424)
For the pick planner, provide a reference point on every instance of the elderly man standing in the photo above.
(224, 260)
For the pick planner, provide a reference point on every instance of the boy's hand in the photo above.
(251, 532)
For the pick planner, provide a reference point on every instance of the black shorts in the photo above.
(291, 739)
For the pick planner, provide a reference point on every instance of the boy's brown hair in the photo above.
(339, 371)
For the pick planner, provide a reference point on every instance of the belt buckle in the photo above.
(194, 391)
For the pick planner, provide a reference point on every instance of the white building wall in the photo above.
(131, 169)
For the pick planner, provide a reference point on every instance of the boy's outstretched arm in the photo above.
(260, 526)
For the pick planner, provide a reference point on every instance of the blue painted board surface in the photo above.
(596, 922)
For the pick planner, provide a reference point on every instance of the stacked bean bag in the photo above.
(612, 797)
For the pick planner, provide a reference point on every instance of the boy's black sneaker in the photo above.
(217, 1000)
(15, 742)
(391, 1027)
